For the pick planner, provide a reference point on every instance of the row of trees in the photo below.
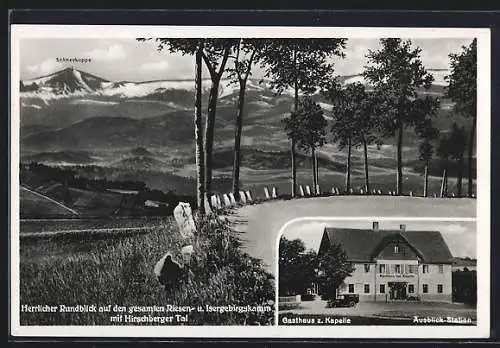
(301, 64)
(361, 117)
(393, 102)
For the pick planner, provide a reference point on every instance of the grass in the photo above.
(117, 269)
(32, 205)
(38, 226)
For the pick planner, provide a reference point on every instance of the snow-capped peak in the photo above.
(438, 74)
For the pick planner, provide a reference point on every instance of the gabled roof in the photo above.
(360, 244)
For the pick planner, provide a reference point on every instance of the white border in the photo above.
(19, 32)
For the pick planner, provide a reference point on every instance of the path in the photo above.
(50, 200)
(261, 223)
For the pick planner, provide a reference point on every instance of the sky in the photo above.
(127, 59)
(460, 236)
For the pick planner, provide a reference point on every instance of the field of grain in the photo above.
(102, 270)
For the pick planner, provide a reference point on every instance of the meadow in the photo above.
(56, 225)
(117, 269)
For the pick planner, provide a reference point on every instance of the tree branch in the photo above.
(211, 69)
(250, 61)
(236, 63)
(227, 50)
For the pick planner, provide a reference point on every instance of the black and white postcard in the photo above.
(241, 181)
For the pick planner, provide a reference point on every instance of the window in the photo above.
(441, 268)
(381, 269)
(398, 269)
(367, 288)
(411, 288)
(367, 267)
(440, 288)
(425, 269)
(403, 250)
(412, 269)
(351, 288)
(425, 288)
(396, 249)
(382, 288)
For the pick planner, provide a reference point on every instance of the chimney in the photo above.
(375, 226)
(402, 228)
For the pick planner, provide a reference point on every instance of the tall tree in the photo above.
(427, 133)
(297, 267)
(396, 72)
(306, 127)
(370, 130)
(198, 135)
(302, 65)
(462, 90)
(333, 268)
(457, 144)
(246, 54)
(444, 152)
(215, 54)
(354, 122)
(452, 146)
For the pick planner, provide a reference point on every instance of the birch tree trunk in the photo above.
(237, 140)
(348, 169)
(198, 135)
(367, 178)
(399, 182)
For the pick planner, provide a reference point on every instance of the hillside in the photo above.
(34, 205)
(144, 131)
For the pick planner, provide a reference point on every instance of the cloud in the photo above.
(110, 54)
(161, 65)
(46, 67)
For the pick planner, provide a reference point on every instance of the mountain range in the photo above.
(73, 82)
(73, 117)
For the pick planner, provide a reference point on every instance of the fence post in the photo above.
(249, 196)
(232, 199)
(243, 199)
(308, 190)
(443, 184)
(227, 201)
(266, 192)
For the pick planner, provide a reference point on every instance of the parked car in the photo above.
(347, 300)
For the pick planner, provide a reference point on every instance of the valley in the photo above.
(143, 132)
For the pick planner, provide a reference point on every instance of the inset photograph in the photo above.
(383, 272)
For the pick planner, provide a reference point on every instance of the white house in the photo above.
(394, 265)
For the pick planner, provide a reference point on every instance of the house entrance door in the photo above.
(397, 290)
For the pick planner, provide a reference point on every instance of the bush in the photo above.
(104, 271)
